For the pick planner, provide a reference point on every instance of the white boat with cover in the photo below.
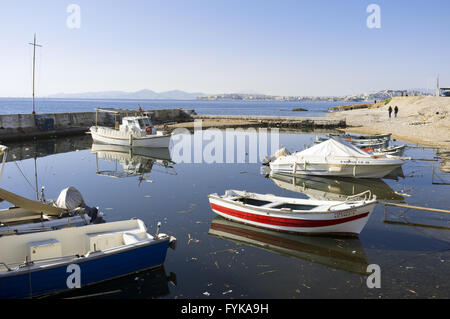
(296, 215)
(336, 157)
(134, 131)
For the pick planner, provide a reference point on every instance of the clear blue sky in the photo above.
(277, 47)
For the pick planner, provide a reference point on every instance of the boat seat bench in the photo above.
(102, 241)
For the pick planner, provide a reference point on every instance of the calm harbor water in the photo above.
(216, 258)
(315, 109)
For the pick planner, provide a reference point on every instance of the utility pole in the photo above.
(34, 63)
(438, 89)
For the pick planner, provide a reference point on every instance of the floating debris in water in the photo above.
(223, 251)
(207, 294)
(268, 272)
(186, 211)
(227, 292)
(192, 239)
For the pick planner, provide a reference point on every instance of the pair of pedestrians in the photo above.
(395, 111)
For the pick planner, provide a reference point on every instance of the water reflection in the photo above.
(328, 188)
(343, 254)
(149, 284)
(136, 161)
(43, 148)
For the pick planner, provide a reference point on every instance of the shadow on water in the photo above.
(149, 284)
(344, 254)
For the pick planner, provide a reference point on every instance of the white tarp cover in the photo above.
(3, 148)
(333, 147)
(70, 198)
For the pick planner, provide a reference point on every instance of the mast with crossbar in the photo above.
(34, 63)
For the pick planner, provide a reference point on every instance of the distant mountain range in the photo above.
(138, 95)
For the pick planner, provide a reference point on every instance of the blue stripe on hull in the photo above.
(54, 280)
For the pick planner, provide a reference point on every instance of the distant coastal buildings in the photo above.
(364, 97)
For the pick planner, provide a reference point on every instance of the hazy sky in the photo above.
(220, 46)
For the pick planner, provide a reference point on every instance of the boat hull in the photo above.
(349, 222)
(341, 170)
(160, 141)
(51, 279)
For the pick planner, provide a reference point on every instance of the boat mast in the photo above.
(34, 63)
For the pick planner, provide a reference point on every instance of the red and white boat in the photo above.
(294, 214)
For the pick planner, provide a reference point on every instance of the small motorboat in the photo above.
(27, 215)
(306, 216)
(391, 150)
(361, 143)
(39, 264)
(336, 157)
(135, 131)
(362, 137)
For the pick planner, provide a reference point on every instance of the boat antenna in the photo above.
(34, 63)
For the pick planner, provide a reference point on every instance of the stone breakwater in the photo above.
(18, 127)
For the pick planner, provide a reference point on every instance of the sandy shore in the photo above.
(421, 120)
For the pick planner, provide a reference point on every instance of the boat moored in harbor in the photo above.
(296, 215)
(39, 264)
(336, 157)
(134, 131)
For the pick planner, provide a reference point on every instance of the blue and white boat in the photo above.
(45, 263)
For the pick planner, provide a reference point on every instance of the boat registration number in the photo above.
(345, 213)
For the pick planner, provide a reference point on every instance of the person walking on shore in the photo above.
(390, 111)
(396, 110)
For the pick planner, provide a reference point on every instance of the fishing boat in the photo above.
(134, 131)
(296, 215)
(336, 157)
(38, 264)
(336, 253)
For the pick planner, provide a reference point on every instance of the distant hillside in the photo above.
(138, 95)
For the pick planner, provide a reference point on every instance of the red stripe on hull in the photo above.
(287, 222)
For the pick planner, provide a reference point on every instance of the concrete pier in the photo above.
(19, 127)
(272, 121)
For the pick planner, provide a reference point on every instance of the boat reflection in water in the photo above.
(344, 254)
(152, 283)
(135, 161)
(332, 188)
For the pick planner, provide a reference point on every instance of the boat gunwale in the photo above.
(81, 258)
(148, 137)
(294, 212)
